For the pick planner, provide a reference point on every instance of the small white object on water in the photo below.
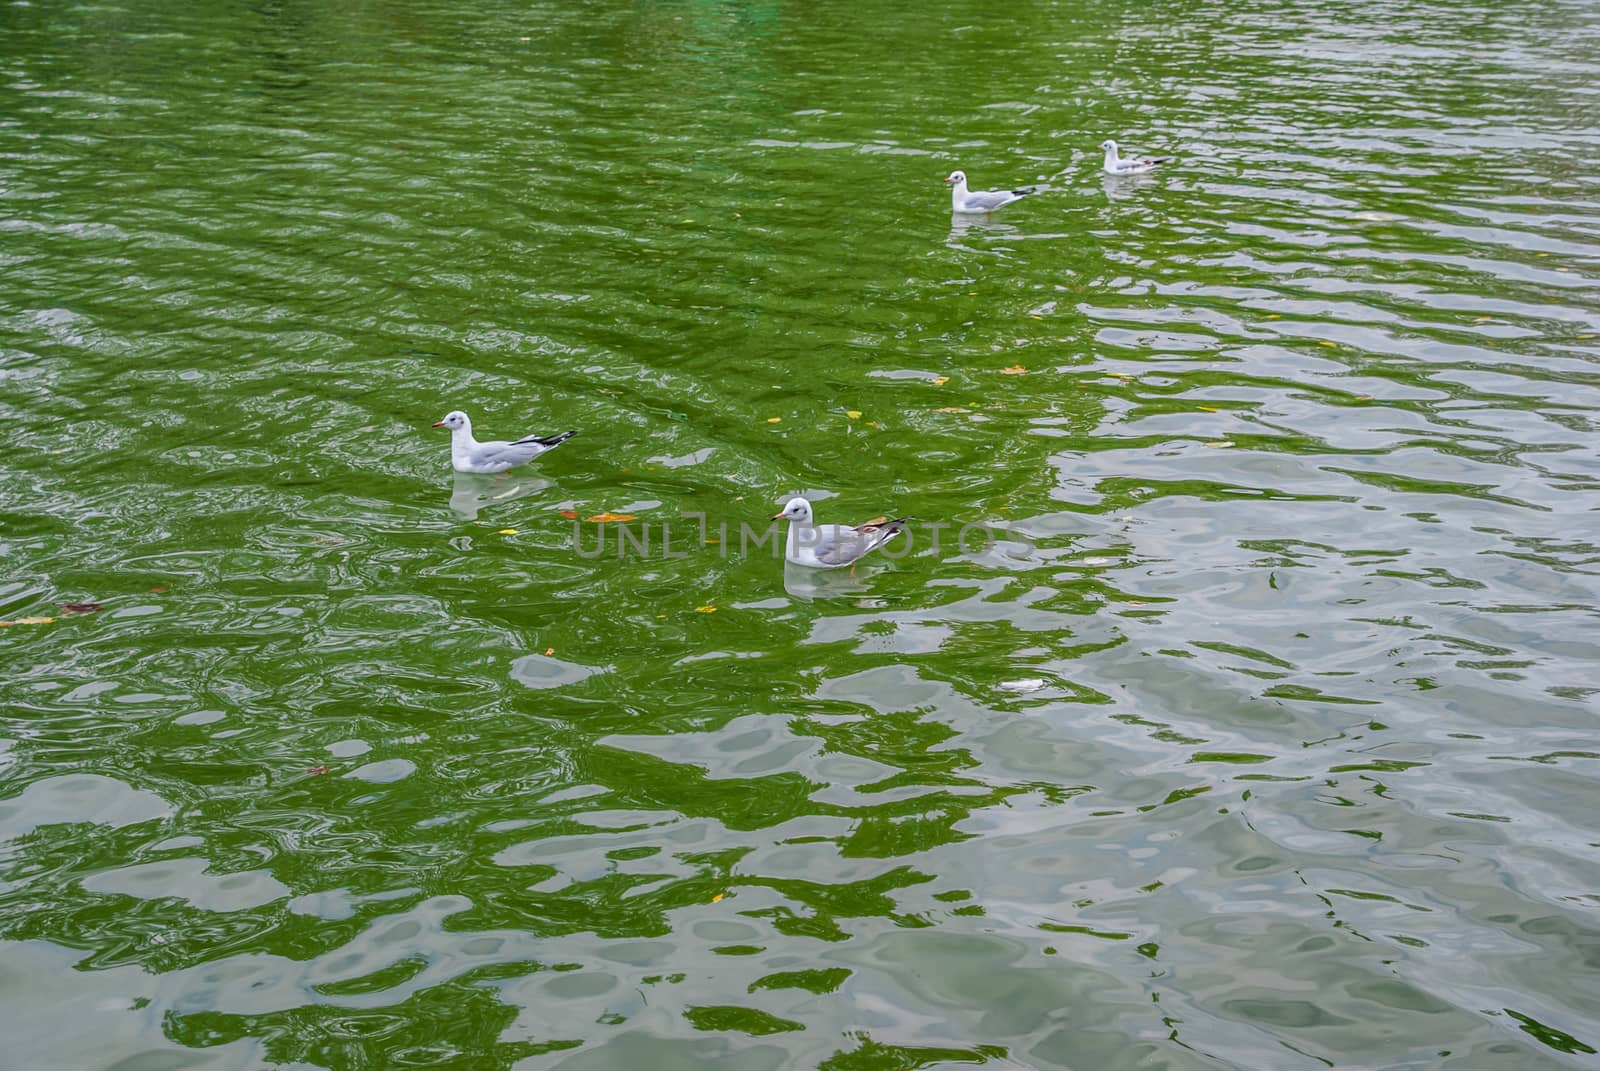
(1025, 685)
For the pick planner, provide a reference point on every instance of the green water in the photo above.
(1264, 737)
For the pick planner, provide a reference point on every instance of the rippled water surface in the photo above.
(1264, 735)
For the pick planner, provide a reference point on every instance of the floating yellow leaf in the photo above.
(952, 409)
(853, 414)
(1014, 370)
(548, 651)
(661, 617)
(705, 609)
(874, 424)
(774, 420)
(1483, 320)
(27, 621)
(1221, 444)
(1541, 254)
(1363, 397)
(1209, 409)
(939, 381)
(1325, 342)
(508, 531)
(602, 518)
(1274, 316)
(717, 897)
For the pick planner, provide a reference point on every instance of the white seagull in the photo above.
(1115, 165)
(832, 546)
(965, 200)
(469, 455)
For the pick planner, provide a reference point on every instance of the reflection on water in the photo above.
(964, 225)
(808, 584)
(1117, 187)
(1265, 740)
(471, 493)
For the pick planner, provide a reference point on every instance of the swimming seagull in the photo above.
(1117, 166)
(965, 200)
(831, 546)
(469, 455)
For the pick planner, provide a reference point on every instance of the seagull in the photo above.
(1117, 166)
(964, 200)
(831, 546)
(469, 455)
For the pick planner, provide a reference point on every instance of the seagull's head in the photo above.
(796, 509)
(1108, 145)
(958, 177)
(455, 420)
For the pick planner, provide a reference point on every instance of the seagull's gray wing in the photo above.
(519, 452)
(839, 545)
(1143, 163)
(989, 200)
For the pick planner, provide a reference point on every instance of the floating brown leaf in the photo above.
(602, 518)
(79, 607)
(1014, 370)
(315, 770)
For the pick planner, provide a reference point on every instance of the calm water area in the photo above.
(1263, 734)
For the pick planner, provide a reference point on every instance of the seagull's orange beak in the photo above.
(778, 516)
(947, 182)
(438, 423)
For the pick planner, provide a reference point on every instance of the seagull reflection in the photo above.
(472, 493)
(808, 584)
(1117, 186)
(962, 225)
